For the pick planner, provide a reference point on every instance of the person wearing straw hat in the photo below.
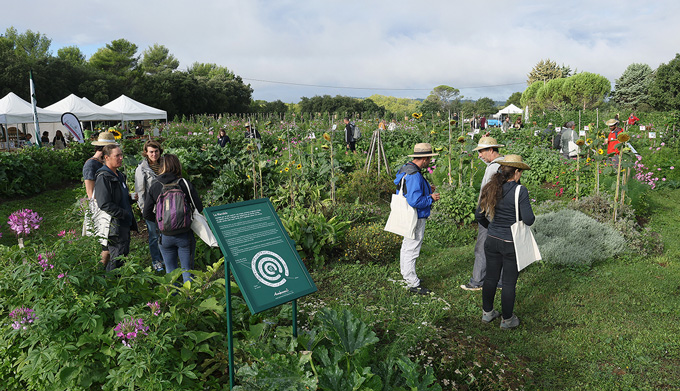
(90, 168)
(420, 195)
(614, 131)
(496, 212)
(487, 149)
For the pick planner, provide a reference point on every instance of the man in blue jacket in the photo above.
(420, 195)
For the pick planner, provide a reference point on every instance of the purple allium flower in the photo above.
(23, 221)
(22, 318)
(130, 329)
(155, 307)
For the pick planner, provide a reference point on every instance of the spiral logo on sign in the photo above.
(269, 268)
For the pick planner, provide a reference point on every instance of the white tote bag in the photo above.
(403, 217)
(199, 224)
(526, 248)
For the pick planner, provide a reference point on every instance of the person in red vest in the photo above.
(612, 142)
(632, 120)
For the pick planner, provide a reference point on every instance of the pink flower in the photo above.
(672, 167)
(662, 144)
(663, 179)
(61, 233)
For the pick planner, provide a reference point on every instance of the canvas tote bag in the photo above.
(199, 224)
(403, 217)
(526, 248)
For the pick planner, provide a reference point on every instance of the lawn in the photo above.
(613, 326)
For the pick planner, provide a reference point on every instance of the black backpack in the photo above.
(557, 140)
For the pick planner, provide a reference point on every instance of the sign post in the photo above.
(262, 257)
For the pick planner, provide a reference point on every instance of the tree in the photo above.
(71, 54)
(157, 59)
(529, 95)
(485, 106)
(514, 99)
(587, 90)
(396, 105)
(551, 96)
(29, 46)
(209, 70)
(445, 96)
(664, 91)
(117, 58)
(545, 71)
(632, 88)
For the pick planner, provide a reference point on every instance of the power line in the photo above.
(371, 88)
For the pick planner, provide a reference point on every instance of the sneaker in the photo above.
(469, 287)
(158, 267)
(510, 323)
(489, 316)
(420, 290)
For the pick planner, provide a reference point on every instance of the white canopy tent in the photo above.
(511, 109)
(15, 111)
(135, 111)
(84, 109)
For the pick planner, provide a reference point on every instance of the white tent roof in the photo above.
(84, 109)
(14, 110)
(512, 109)
(135, 111)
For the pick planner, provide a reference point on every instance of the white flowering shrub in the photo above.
(569, 237)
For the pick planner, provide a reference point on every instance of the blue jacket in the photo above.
(416, 189)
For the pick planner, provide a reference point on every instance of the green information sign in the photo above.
(262, 256)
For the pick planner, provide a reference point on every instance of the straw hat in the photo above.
(513, 161)
(105, 138)
(487, 142)
(423, 150)
(247, 125)
(612, 122)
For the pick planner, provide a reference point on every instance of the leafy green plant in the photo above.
(371, 243)
(313, 234)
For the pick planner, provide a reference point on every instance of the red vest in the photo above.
(612, 141)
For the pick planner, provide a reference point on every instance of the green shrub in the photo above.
(314, 235)
(366, 187)
(359, 213)
(371, 243)
(569, 237)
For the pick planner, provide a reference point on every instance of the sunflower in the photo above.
(327, 137)
(600, 151)
(580, 142)
(116, 134)
(250, 147)
(416, 115)
(461, 139)
(452, 122)
(438, 149)
(623, 137)
(299, 166)
(286, 169)
(325, 146)
(589, 141)
(432, 132)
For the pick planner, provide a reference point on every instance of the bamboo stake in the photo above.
(616, 195)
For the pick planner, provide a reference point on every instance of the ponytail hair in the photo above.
(493, 191)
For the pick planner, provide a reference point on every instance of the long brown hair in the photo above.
(493, 191)
(170, 164)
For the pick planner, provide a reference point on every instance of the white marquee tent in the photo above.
(84, 109)
(135, 111)
(14, 110)
(511, 109)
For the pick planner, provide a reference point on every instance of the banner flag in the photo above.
(73, 125)
(35, 110)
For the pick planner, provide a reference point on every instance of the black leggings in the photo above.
(500, 255)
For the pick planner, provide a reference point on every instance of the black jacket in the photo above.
(155, 190)
(113, 197)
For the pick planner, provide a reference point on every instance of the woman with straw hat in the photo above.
(496, 212)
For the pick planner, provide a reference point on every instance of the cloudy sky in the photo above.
(289, 49)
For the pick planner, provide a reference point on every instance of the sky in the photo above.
(289, 49)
